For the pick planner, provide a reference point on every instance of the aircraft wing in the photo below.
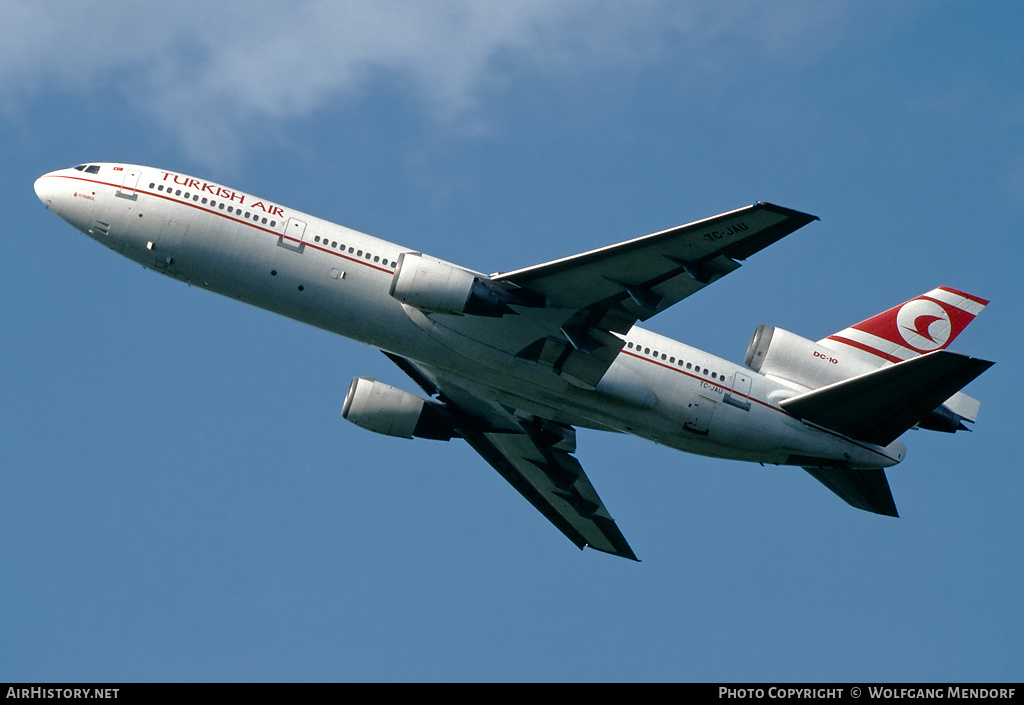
(589, 296)
(534, 455)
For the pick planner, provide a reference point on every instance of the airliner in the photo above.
(514, 362)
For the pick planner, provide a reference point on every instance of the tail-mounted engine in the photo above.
(775, 352)
(383, 409)
(433, 285)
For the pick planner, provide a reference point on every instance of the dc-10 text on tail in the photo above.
(513, 362)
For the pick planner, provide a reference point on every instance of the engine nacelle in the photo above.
(775, 352)
(433, 285)
(383, 409)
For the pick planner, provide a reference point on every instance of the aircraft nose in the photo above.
(55, 191)
(44, 189)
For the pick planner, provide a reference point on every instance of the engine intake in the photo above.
(383, 409)
(433, 285)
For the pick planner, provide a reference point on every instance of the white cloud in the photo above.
(206, 70)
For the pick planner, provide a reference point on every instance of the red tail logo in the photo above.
(929, 322)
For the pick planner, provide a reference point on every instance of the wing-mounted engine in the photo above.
(436, 286)
(775, 352)
(383, 409)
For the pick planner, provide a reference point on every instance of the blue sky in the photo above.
(182, 500)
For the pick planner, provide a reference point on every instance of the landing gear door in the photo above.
(129, 183)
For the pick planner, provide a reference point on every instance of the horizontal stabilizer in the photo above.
(963, 406)
(863, 489)
(879, 406)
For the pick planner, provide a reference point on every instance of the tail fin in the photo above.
(924, 324)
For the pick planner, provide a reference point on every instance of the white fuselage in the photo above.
(338, 279)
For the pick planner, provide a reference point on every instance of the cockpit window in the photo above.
(89, 168)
